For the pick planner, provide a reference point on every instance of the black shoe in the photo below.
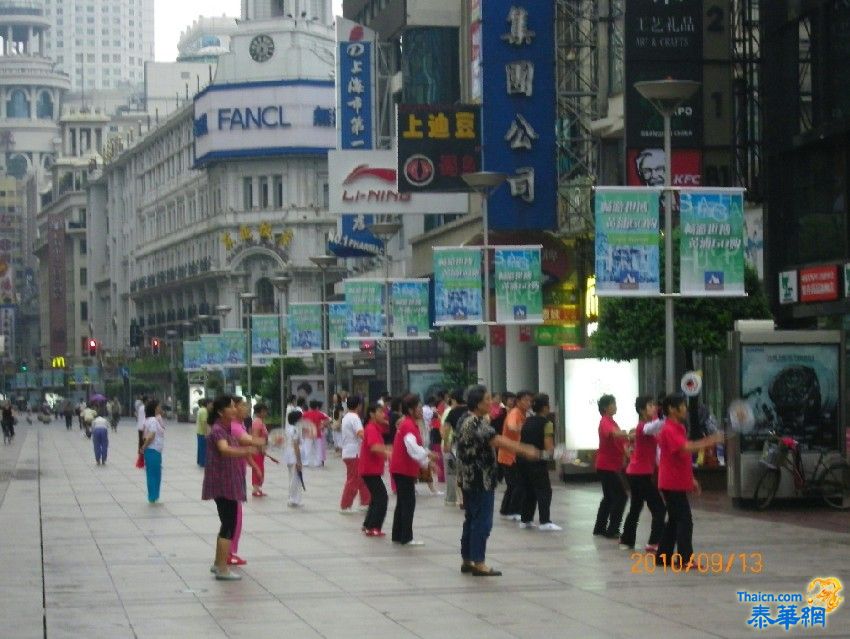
(598, 533)
(466, 568)
(613, 534)
(485, 573)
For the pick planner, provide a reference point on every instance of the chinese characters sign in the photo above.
(365, 300)
(265, 339)
(436, 145)
(519, 299)
(409, 309)
(304, 328)
(517, 47)
(819, 283)
(233, 343)
(338, 329)
(192, 356)
(627, 242)
(457, 286)
(355, 91)
(212, 354)
(712, 242)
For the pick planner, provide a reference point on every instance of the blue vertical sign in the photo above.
(518, 48)
(356, 108)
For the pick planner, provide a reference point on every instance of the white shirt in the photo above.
(416, 452)
(99, 422)
(152, 425)
(427, 414)
(140, 416)
(292, 438)
(348, 439)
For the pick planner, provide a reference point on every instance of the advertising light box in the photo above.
(585, 381)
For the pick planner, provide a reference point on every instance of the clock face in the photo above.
(262, 48)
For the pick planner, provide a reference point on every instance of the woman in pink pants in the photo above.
(351, 436)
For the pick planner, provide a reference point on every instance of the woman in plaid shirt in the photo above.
(224, 479)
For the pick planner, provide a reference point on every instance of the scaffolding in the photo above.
(576, 71)
(746, 59)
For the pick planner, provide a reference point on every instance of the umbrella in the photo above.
(97, 397)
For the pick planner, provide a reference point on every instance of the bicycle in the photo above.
(829, 479)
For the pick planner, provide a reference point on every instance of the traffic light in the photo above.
(24, 367)
(155, 345)
(92, 346)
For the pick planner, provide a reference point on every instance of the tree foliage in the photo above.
(461, 346)
(634, 327)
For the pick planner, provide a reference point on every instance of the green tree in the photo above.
(461, 346)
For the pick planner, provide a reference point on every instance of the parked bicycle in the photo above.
(829, 479)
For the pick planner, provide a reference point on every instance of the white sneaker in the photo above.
(527, 525)
(347, 511)
(363, 509)
(550, 526)
(414, 542)
(515, 517)
(438, 493)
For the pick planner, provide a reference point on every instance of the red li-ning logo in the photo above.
(419, 170)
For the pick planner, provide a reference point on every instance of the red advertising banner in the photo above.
(498, 335)
(819, 283)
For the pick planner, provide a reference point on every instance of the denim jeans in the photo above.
(477, 524)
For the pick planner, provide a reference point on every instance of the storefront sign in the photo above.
(264, 119)
(627, 242)
(436, 146)
(365, 300)
(409, 309)
(233, 346)
(355, 70)
(711, 248)
(304, 329)
(788, 287)
(819, 283)
(338, 329)
(519, 298)
(364, 183)
(457, 286)
(192, 356)
(519, 111)
(265, 339)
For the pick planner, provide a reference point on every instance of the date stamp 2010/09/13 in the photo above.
(715, 563)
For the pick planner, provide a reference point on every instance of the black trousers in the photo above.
(405, 505)
(227, 517)
(613, 503)
(643, 491)
(678, 529)
(513, 497)
(536, 490)
(378, 506)
(69, 419)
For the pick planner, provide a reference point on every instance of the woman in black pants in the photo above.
(538, 431)
(373, 456)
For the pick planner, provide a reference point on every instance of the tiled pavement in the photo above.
(85, 555)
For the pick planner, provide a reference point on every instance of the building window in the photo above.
(277, 181)
(84, 248)
(18, 105)
(84, 311)
(44, 106)
(247, 193)
(84, 277)
(264, 192)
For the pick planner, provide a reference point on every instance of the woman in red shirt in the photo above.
(676, 480)
(408, 456)
(373, 455)
(609, 466)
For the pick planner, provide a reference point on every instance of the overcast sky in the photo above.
(173, 16)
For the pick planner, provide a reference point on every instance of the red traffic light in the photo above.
(92, 344)
(155, 345)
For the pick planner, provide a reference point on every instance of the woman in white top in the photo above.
(292, 456)
(152, 443)
(100, 437)
(350, 439)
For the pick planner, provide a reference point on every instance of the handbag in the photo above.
(425, 475)
(140, 461)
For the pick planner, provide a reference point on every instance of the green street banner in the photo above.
(519, 296)
(265, 339)
(304, 328)
(212, 353)
(409, 309)
(233, 346)
(338, 329)
(712, 242)
(365, 300)
(457, 286)
(627, 241)
(192, 356)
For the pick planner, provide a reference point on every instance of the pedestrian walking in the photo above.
(7, 418)
(224, 480)
(68, 412)
(476, 441)
(533, 475)
(89, 413)
(609, 466)
(153, 439)
(512, 499)
(373, 456)
(292, 456)
(114, 414)
(100, 436)
(408, 457)
(259, 431)
(351, 436)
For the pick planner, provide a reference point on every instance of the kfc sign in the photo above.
(364, 183)
(819, 283)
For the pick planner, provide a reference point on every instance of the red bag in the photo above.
(140, 461)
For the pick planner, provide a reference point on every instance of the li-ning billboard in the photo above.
(516, 57)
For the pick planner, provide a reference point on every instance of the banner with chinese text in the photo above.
(409, 309)
(711, 224)
(192, 356)
(627, 241)
(365, 301)
(304, 328)
(519, 297)
(233, 346)
(265, 339)
(212, 354)
(457, 286)
(338, 329)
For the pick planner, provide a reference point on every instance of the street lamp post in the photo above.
(223, 310)
(485, 183)
(324, 262)
(667, 96)
(384, 231)
(248, 303)
(281, 283)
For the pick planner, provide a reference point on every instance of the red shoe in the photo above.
(236, 560)
(377, 532)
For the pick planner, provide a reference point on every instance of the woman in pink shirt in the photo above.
(237, 429)
(639, 473)
(259, 431)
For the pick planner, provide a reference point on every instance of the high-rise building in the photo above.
(100, 44)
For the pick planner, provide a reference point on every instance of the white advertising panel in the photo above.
(585, 381)
(264, 119)
(364, 182)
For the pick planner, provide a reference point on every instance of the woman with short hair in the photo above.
(153, 440)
